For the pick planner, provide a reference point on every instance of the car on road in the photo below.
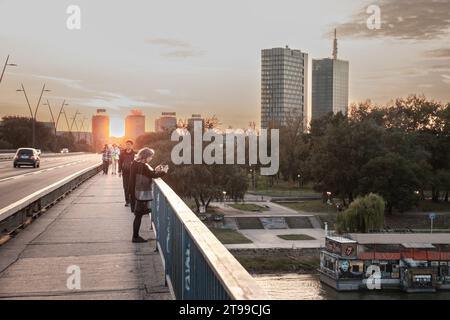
(27, 157)
(64, 150)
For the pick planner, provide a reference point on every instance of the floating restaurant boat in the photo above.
(409, 262)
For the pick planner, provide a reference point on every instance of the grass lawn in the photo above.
(250, 223)
(313, 206)
(278, 263)
(295, 237)
(228, 236)
(428, 205)
(280, 188)
(248, 207)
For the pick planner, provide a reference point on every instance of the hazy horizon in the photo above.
(203, 57)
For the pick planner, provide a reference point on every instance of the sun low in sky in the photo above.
(203, 56)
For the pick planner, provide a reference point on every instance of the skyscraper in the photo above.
(330, 89)
(284, 85)
(100, 129)
(134, 124)
(167, 121)
(195, 117)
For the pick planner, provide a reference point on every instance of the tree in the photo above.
(363, 215)
(338, 156)
(294, 148)
(393, 177)
(201, 182)
(16, 131)
(205, 183)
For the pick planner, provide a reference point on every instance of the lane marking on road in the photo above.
(43, 170)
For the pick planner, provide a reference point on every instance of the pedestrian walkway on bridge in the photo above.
(91, 230)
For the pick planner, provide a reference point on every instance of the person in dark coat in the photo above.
(138, 207)
(106, 158)
(126, 158)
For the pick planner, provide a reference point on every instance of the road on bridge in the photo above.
(17, 183)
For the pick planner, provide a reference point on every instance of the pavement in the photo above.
(87, 234)
(17, 183)
(267, 239)
(274, 210)
(274, 224)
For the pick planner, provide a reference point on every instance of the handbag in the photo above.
(142, 207)
(143, 189)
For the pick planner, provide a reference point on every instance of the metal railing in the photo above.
(197, 266)
(10, 155)
(23, 211)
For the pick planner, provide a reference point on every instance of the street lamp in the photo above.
(224, 194)
(7, 64)
(73, 121)
(329, 197)
(81, 127)
(432, 216)
(33, 114)
(299, 181)
(56, 122)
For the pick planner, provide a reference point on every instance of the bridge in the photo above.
(65, 234)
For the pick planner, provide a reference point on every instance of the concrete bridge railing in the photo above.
(197, 266)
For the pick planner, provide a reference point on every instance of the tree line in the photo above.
(400, 151)
(16, 132)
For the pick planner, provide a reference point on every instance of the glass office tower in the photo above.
(330, 89)
(283, 86)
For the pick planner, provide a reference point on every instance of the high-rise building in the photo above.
(134, 124)
(194, 118)
(167, 121)
(284, 85)
(100, 129)
(330, 85)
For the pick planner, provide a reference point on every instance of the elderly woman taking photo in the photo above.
(140, 188)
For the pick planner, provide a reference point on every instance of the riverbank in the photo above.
(278, 261)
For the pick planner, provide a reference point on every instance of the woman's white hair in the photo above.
(144, 153)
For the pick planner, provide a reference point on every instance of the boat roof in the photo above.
(341, 239)
(407, 240)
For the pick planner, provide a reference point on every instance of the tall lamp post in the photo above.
(33, 114)
(81, 128)
(55, 122)
(253, 178)
(7, 64)
(74, 118)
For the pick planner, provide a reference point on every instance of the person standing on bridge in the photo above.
(140, 188)
(115, 153)
(126, 158)
(106, 157)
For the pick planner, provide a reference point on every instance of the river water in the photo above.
(308, 287)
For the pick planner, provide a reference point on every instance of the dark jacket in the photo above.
(106, 155)
(125, 160)
(145, 170)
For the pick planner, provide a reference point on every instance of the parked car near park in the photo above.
(27, 157)
(64, 150)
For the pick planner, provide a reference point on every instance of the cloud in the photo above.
(70, 83)
(438, 53)
(116, 101)
(167, 42)
(183, 54)
(402, 19)
(446, 78)
(176, 48)
(425, 85)
(163, 92)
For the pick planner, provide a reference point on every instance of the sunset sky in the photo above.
(203, 56)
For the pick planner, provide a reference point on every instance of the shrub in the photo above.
(364, 214)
